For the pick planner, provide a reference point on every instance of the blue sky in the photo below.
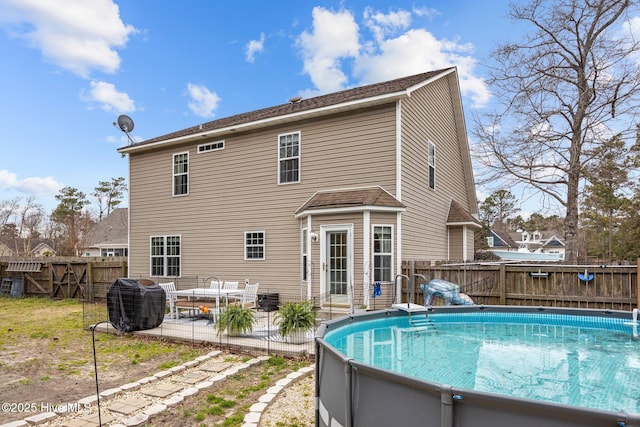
(70, 68)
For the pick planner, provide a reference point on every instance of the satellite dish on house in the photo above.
(125, 123)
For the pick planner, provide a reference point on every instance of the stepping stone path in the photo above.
(134, 404)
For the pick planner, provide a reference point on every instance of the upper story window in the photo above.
(210, 146)
(432, 165)
(165, 256)
(254, 245)
(180, 174)
(382, 253)
(289, 158)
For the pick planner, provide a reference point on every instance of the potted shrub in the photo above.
(295, 319)
(235, 320)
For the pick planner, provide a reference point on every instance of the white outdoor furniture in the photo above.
(173, 300)
(249, 297)
(210, 293)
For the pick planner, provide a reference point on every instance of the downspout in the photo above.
(398, 189)
(366, 256)
(309, 263)
(464, 243)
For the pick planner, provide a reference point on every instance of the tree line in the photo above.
(567, 94)
(24, 221)
(609, 226)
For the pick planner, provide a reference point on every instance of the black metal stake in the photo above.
(95, 368)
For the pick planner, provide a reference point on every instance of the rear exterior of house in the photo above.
(316, 198)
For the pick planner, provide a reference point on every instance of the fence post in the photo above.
(502, 283)
(124, 266)
(89, 288)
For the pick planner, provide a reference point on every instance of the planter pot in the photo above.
(236, 333)
(298, 337)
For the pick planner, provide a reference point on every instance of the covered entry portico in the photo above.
(350, 238)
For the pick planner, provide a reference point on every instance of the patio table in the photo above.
(207, 293)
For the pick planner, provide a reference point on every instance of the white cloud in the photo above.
(78, 36)
(110, 98)
(395, 50)
(335, 36)
(203, 102)
(383, 25)
(253, 47)
(31, 185)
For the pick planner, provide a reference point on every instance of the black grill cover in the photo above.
(133, 306)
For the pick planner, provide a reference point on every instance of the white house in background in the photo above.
(526, 246)
(109, 237)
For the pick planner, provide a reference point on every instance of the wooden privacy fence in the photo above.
(610, 287)
(63, 277)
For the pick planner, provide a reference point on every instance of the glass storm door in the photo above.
(337, 266)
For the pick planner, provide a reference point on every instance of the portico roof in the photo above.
(355, 199)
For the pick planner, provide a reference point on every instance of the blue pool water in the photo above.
(585, 361)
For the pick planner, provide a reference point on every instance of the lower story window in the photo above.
(382, 253)
(165, 256)
(254, 245)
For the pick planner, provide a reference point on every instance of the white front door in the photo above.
(337, 264)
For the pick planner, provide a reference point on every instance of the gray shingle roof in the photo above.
(345, 96)
(349, 198)
(113, 229)
(459, 215)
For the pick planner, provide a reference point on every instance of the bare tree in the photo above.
(564, 90)
(30, 216)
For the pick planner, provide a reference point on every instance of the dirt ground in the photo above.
(30, 376)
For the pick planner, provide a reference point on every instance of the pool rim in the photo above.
(630, 419)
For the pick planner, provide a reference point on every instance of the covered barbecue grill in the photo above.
(135, 305)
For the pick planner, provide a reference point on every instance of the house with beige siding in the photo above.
(320, 197)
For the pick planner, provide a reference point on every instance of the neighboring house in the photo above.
(109, 237)
(526, 246)
(317, 197)
(499, 239)
(42, 249)
(39, 248)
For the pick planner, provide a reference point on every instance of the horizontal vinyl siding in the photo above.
(236, 190)
(455, 244)
(428, 116)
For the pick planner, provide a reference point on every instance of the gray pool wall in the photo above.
(354, 394)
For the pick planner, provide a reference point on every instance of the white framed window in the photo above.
(165, 256)
(211, 146)
(431, 166)
(180, 174)
(289, 158)
(382, 253)
(254, 245)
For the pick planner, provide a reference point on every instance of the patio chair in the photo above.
(175, 303)
(168, 291)
(230, 285)
(249, 297)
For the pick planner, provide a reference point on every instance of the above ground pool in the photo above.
(459, 366)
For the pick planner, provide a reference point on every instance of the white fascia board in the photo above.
(471, 223)
(349, 210)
